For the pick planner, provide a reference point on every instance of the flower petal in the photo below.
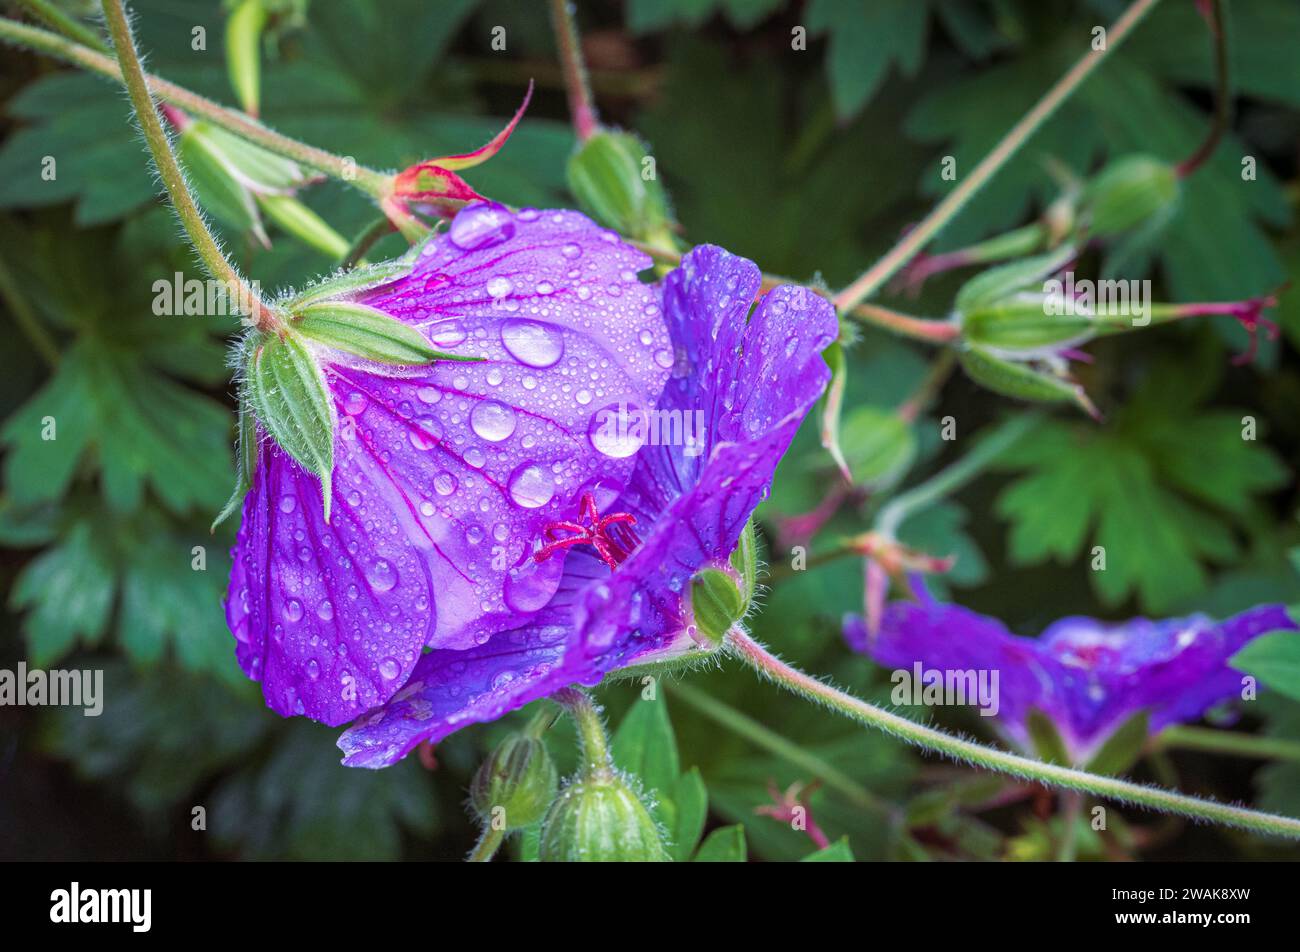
(746, 387)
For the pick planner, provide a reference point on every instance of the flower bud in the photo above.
(1023, 380)
(716, 602)
(615, 182)
(518, 779)
(1129, 192)
(600, 819)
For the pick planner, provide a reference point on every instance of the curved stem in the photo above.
(60, 22)
(1222, 94)
(488, 843)
(344, 168)
(929, 738)
(259, 312)
(591, 729)
(581, 106)
(950, 479)
(874, 278)
(356, 253)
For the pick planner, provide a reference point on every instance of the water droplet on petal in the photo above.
(530, 487)
(389, 668)
(531, 343)
(381, 576)
(448, 333)
(617, 430)
(481, 226)
(492, 421)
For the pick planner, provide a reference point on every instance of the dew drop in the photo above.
(381, 576)
(617, 430)
(530, 487)
(444, 484)
(389, 668)
(499, 287)
(287, 504)
(481, 226)
(292, 610)
(492, 421)
(531, 343)
(448, 333)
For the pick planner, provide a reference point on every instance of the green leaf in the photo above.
(644, 745)
(837, 852)
(865, 40)
(725, 845)
(367, 332)
(1274, 659)
(69, 589)
(691, 799)
(1123, 747)
(879, 446)
(348, 284)
(1046, 738)
(288, 393)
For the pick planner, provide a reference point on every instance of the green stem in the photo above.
(488, 843)
(581, 106)
(769, 666)
(958, 474)
(745, 726)
(26, 318)
(60, 22)
(372, 182)
(356, 254)
(875, 277)
(261, 313)
(1227, 742)
(1071, 808)
(591, 729)
(918, 328)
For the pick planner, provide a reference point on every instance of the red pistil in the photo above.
(611, 536)
(1248, 313)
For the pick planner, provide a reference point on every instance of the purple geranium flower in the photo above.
(1086, 675)
(446, 474)
(623, 596)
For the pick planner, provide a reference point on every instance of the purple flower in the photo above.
(626, 600)
(446, 474)
(1086, 675)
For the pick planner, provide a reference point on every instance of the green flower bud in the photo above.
(716, 602)
(616, 183)
(1129, 192)
(600, 819)
(1027, 322)
(1022, 380)
(516, 783)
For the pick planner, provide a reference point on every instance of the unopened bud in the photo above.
(612, 178)
(1129, 192)
(600, 818)
(518, 778)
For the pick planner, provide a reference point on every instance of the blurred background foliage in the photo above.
(811, 162)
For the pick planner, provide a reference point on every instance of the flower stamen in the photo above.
(611, 536)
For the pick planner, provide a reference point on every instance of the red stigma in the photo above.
(611, 536)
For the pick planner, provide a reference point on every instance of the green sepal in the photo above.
(243, 62)
(304, 224)
(349, 284)
(716, 603)
(1046, 739)
(367, 332)
(745, 561)
(1128, 192)
(1014, 379)
(1123, 747)
(288, 394)
(245, 464)
(993, 285)
(606, 175)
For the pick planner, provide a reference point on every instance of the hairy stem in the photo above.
(259, 312)
(875, 277)
(582, 108)
(60, 22)
(489, 842)
(591, 728)
(929, 738)
(344, 168)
